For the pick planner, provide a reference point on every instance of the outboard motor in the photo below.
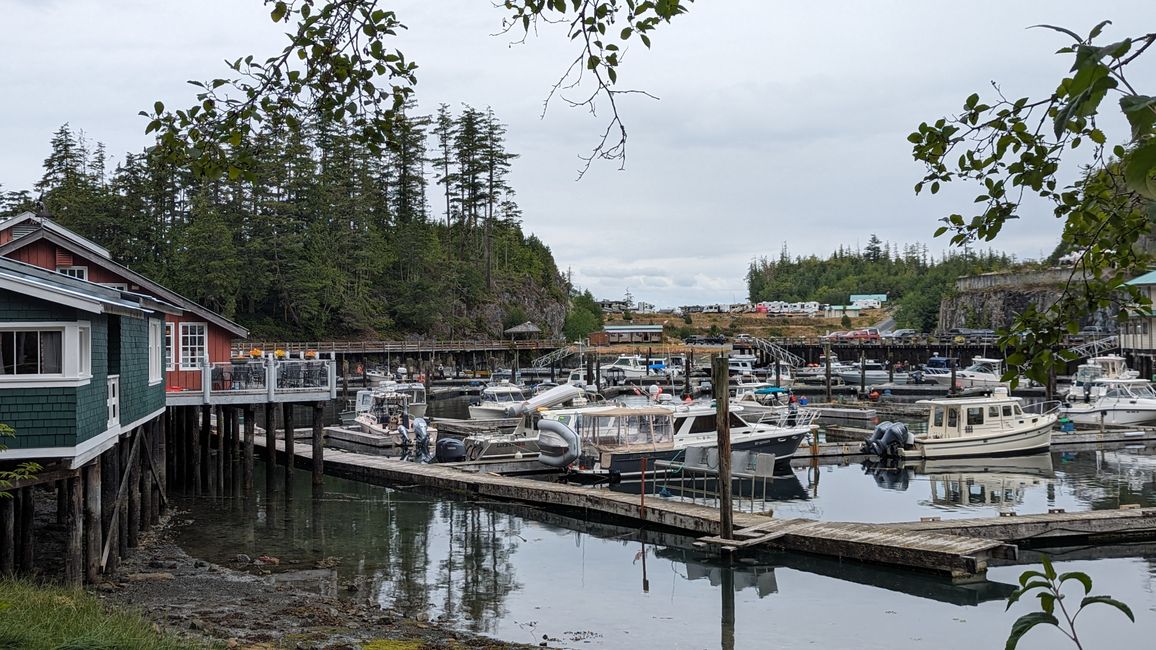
(888, 440)
(406, 445)
(421, 440)
(558, 445)
(450, 450)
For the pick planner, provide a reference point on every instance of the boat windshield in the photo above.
(1087, 373)
(505, 395)
(622, 429)
(983, 367)
(625, 362)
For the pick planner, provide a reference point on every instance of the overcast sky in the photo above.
(778, 122)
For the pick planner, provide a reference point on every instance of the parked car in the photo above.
(833, 336)
(693, 339)
(900, 334)
(869, 334)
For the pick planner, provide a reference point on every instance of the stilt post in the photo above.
(720, 377)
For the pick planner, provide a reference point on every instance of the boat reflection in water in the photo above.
(967, 481)
(751, 494)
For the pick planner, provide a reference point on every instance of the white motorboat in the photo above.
(754, 401)
(872, 372)
(1127, 402)
(384, 413)
(817, 372)
(496, 400)
(1109, 366)
(415, 391)
(993, 424)
(635, 366)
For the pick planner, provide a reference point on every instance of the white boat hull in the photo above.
(872, 377)
(485, 412)
(1035, 437)
(1118, 413)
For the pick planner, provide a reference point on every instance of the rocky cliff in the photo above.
(992, 300)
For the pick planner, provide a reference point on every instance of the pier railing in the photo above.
(297, 348)
(261, 380)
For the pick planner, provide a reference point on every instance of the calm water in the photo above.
(517, 573)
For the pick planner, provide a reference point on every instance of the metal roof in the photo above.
(524, 328)
(633, 328)
(31, 280)
(1146, 279)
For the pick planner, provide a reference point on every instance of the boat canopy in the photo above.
(771, 390)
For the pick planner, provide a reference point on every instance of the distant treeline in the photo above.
(323, 239)
(914, 281)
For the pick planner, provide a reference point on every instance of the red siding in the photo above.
(5, 236)
(219, 345)
(39, 253)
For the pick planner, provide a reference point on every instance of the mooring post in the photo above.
(318, 449)
(686, 392)
(721, 379)
(7, 536)
(727, 591)
(74, 525)
(290, 449)
(778, 375)
(250, 433)
(24, 530)
(862, 372)
(92, 520)
(827, 360)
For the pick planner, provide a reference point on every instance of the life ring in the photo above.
(421, 378)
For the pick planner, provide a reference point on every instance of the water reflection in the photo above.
(998, 482)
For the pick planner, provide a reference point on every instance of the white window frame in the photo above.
(193, 361)
(76, 353)
(170, 346)
(78, 272)
(156, 352)
(119, 286)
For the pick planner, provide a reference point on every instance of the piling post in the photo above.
(318, 449)
(862, 372)
(287, 412)
(270, 449)
(951, 362)
(61, 500)
(110, 482)
(92, 520)
(125, 475)
(345, 376)
(74, 525)
(24, 530)
(727, 592)
(721, 379)
(250, 433)
(145, 487)
(160, 455)
(827, 360)
(686, 372)
(7, 536)
(134, 493)
(219, 481)
(778, 375)
(206, 459)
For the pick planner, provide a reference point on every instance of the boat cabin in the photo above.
(503, 393)
(620, 427)
(982, 365)
(972, 416)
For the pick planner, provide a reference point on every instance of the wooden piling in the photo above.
(74, 526)
(61, 501)
(219, 480)
(318, 448)
(250, 432)
(7, 536)
(110, 481)
(270, 437)
(125, 475)
(145, 480)
(287, 412)
(24, 530)
(205, 459)
(827, 370)
(134, 494)
(92, 520)
(160, 456)
(721, 380)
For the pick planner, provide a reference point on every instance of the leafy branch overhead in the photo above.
(1016, 149)
(338, 69)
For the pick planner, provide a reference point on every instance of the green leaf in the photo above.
(1097, 136)
(159, 107)
(1138, 169)
(1108, 600)
(1141, 113)
(1028, 575)
(279, 11)
(1048, 603)
(1025, 623)
(1059, 29)
(1081, 577)
(1049, 570)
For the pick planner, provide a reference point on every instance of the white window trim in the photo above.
(71, 367)
(119, 286)
(156, 351)
(83, 269)
(196, 363)
(171, 342)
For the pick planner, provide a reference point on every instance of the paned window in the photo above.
(194, 345)
(32, 352)
(78, 272)
(156, 351)
(170, 346)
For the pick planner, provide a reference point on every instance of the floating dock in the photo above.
(961, 550)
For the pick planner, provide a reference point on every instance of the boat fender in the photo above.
(558, 445)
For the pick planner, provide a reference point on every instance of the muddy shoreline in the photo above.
(247, 607)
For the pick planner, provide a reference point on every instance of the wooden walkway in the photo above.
(957, 556)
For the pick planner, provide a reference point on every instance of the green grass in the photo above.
(51, 618)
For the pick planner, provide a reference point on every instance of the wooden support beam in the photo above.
(109, 473)
(119, 513)
(128, 450)
(203, 484)
(134, 493)
(219, 481)
(74, 527)
(149, 455)
(161, 455)
(24, 530)
(92, 519)
(144, 487)
(287, 410)
(720, 377)
(250, 433)
(318, 447)
(270, 437)
(7, 536)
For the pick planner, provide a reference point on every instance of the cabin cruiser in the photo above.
(1110, 366)
(496, 400)
(617, 439)
(754, 401)
(415, 391)
(982, 373)
(872, 372)
(384, 413)
(634, 366)
(991, 424)
(1128, 402)
(817, 372)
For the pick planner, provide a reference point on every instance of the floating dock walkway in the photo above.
(961, 550)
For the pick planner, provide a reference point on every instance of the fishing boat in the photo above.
(522, 441)
(415, 391)
(989, 424)
(817, 372)
(872, 372)
(1110, 366)
(384, 414)
(634, 366)
(496, 400)
(755, 401)
(1127, 402)
(982, 373)
(616, 440)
